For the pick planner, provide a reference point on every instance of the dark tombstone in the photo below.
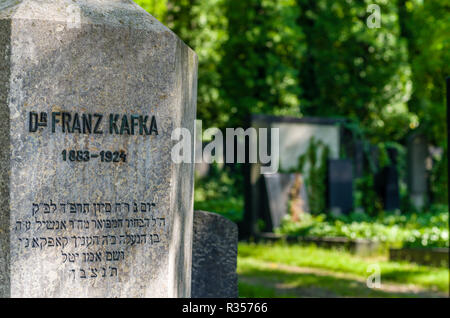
(214, 257)
(293, 143)
(340, 185)
(347, 142)
(448, 131)
(391, 199)
(374, 159)
(388, 188)
(386, 183)
(282, 188)
(359, 158)
(417, 172)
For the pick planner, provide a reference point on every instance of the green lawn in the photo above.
(280, 270)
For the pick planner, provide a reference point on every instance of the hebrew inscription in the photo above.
(77, 231)
(92, 203)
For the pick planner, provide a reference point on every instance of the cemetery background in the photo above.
(385, 87)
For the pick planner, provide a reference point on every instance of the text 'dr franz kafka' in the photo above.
(84, 123)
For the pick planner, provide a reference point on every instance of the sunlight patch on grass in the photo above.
(341, 262)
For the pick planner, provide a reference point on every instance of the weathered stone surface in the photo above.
(85, 225)
(214, 256)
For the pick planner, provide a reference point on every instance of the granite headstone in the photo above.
(214, 256)
(340, 185)
(387, 183)
(91, 203)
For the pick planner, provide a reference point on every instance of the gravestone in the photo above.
(91, 203)
(417, 176)
(358, 156)
(340, 185)
(214, 257)
(387, 183)
(284, 190)
(294, 138)
(390, 193)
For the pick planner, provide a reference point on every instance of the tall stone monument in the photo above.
(91, 203)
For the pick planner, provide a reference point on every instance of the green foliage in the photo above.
(221, 192)
(408, 230)
(439, 180)
(383, 157)
(156, 8)
(250, 291)
(318, 57)
(314, 169)
(204, 27)
(429, 57)
(353, 71)
(365, 195)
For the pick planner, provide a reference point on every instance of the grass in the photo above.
(279, 270)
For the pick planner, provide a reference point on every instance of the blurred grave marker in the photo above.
(340, 185)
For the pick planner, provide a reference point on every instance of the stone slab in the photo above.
(281, 189)
(294, 138)
(214, 256)
(91, 203)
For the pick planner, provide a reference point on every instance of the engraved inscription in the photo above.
(71, 123)
(96, 233)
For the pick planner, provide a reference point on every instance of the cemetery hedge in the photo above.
(395, 230)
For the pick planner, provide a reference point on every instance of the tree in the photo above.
(354, 71)
(259, 73)
(203, 26)
(429, 47)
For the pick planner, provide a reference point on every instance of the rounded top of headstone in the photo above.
(209, 217)
(118, 13)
